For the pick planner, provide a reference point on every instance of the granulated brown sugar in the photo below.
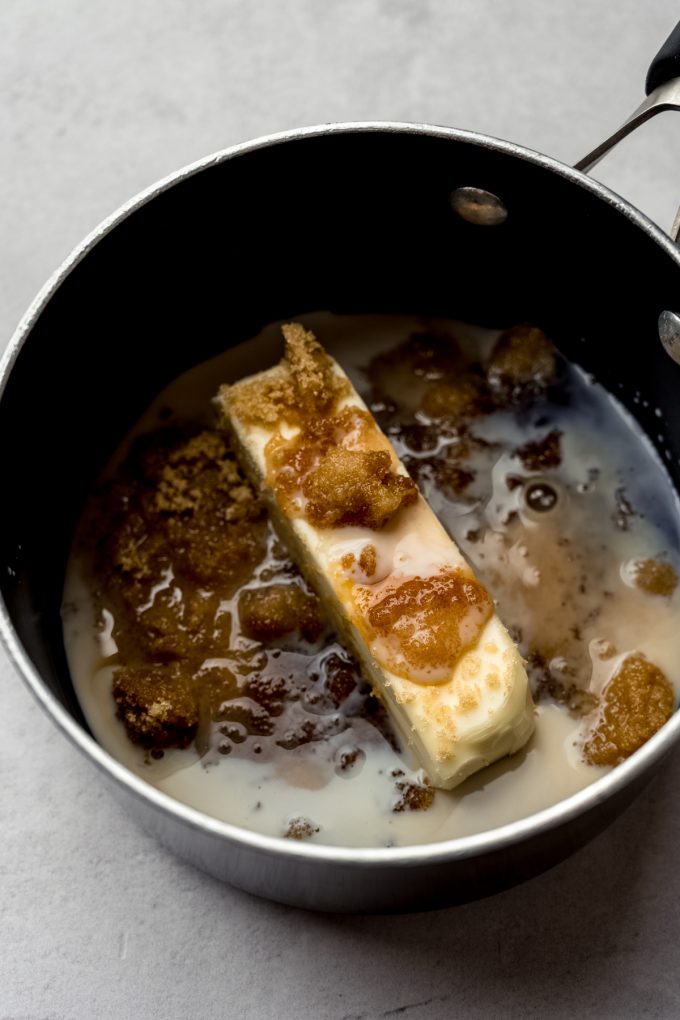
(413, 796)
(301, 828)
(541, 454)
(464, 397)
(302, 385)
(338, 468)
(656, 577)
(637, 701)
(278, 609)
(156, 705)
(433, 620)
(355, 487)
(522, 364)
(368, 560)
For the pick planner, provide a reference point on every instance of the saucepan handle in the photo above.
(666, 64)
(663, 93)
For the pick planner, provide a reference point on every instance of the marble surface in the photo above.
(96, 101)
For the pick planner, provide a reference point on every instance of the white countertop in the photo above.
(97, 101)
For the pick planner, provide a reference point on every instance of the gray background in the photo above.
(96, 102)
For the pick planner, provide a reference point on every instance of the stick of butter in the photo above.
(396, 588)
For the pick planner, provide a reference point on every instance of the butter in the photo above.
(398, 592)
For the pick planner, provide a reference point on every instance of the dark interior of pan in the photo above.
(356, 221)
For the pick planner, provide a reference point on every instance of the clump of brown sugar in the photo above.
(341, 679)
(186, 500)
(655, 577)
(541, 454)
(412, 796)
(426, 354)
(342, 470)
(303, 384)
(430, 622)
(356, 487)
(178, 624)
(451, 476)
(182, 529)
(156, 704)
(449, 469)
(184, 532)
(463, 396)
(368, 560)
(269, 613)
(455, 478)
(197, 470)
(563, 688)
(301, 828)
(217, 531)
(522, 364)
(636, 702)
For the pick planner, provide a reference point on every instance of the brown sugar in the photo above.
(290, 461)
(268, 691)
(430, 355)
(655, 577)
(464, 396)
(342, 471)
(249, 717)
(541, 454)
(177, 625)
(452, 477)
(413, 796)
(340, 679)
(211, 554)
(368, 560)
(522, 364)
(637, 701)
(156, 704)
(426, 355)
(184, 531)
(432, 621)
(302, 385)
(267, 614)
(356, 487)
(450, 469)
(560, 688)
(300, 828)
(209, 512)
(193, 471)
(185, 501)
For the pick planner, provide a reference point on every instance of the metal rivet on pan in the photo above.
(478, 206)
(669, 332)
(541, 497)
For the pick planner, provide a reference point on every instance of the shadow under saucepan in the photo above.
(557, 945)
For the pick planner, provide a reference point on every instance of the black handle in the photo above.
(666, 63)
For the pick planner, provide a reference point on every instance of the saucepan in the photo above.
(359, 217)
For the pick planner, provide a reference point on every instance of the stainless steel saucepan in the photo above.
(377, 217)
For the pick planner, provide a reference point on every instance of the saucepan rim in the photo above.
(420, 854)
